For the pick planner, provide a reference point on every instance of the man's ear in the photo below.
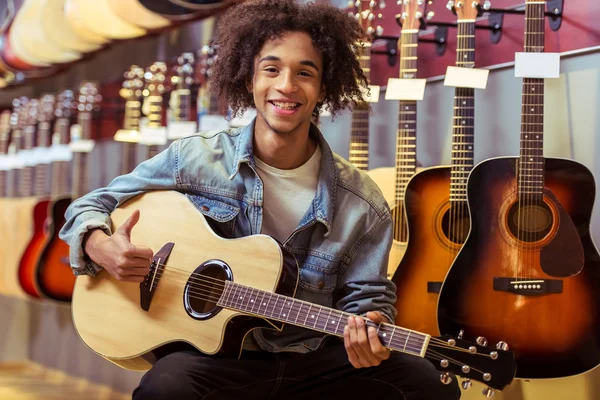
(322, 94)
(249, 84)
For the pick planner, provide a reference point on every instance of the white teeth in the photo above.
(285, 106)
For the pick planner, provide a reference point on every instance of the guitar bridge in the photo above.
(528, 287)
(152, 279)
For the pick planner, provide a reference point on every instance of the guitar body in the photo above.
(19, 214)
(552, 321)
(33, 251)
(255, 261)
(54, 275)
(385, 179)
(430, 250)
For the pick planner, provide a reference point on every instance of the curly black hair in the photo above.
(244, 28)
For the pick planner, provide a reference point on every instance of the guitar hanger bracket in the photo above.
(440, 39)
(391, 48)
(494, 26)
(554, 10)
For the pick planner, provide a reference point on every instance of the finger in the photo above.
(138, 252)
(129, 223)
(364, 343)
(377, 348)
(132, 262)
(376, 316)
(352, 356)
(135, 271)
(354, 341)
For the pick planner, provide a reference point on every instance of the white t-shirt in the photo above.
(287, 195)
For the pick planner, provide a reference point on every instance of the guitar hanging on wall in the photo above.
(392, 180)
(529, 272)
(436, 202)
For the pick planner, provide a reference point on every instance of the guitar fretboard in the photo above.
(27, 173)
(359, 137)
(61, 169)
(42, 170)
(463, 124)
(531, 160)
(315, 317)
(184, 105)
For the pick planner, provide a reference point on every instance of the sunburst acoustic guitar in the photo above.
(202, 288)
(436, 202)
(529, 272)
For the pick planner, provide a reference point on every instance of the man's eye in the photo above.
(271, 69)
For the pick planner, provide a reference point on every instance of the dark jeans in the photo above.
(321, 374)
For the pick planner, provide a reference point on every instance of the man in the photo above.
(276, 176)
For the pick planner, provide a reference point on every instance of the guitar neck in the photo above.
(42, 170)
(531, 160)
(60, 169)
(27, 173)
(315, 317)
(184, 105)
(406, 142)
(80, 159)
(133, 112)
(359, 137)
(463, 125)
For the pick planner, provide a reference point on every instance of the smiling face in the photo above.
(286, 84)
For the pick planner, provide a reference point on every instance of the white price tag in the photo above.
(181, 129)
(537, 65)
(153, 135)
(475, 78)
(3, 162)
(405, 89)
(61, 152)
(127, 135)
(213, 123)
(43, 155)
(14, 162)
(82, 146)
(373, 97)
(27, 157)
(244, 120)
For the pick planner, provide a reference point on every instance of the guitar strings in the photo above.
(217, 283)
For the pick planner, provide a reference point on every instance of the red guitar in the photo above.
(54, 276)
(33, 251)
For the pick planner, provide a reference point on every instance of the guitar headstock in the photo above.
(183, 71)
(47, 104)
(207, 56)
(132, 87)
(33, 108)
(155, 77)
(19, 113)
(65, 104)
(4, 131)
(465, 10)
(366, 13)
(89, 97)
(495, 367)
(413, 12)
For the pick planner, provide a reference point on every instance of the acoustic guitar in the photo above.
(134, 13)
(435, 200)
(4, 174)
(18, 217)
(393, 180)
(180, 12)
(529, 272)
(155, 86)
(41, 190)
(54, 276)
(209, 291)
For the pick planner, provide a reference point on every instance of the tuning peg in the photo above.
(430, 15)
(460, 334)
(372, 4)
(488, 392)
(487, 4)
(382, 4)
(459, 4)
(502, 346)
(379, 31)
(481, 341)
(445, 378)
(450, 5)
(466, 384)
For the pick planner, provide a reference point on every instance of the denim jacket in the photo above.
(341, 244)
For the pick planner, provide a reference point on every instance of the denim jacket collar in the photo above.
(324, 202)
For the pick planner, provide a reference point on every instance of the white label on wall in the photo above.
(537, 65)
(405, 89)
(153, 135)
(475, 78)
(181, 129)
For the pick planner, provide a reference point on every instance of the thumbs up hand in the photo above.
(116, 254)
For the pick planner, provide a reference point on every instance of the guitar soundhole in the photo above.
(204, 289)
(530, 222)
(456, 223)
